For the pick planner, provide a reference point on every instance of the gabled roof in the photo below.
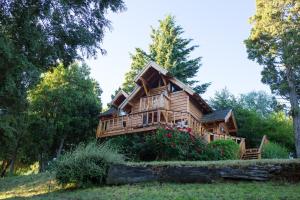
(153, 65)
(172, 79)
(218, 115)
(111, 111)
(119, 95)
(130, 96)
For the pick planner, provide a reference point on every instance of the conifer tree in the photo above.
(171, 51)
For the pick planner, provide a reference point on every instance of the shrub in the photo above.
(164, 144)
(87, 164)
(274, 150)
(177, 144)
(173, 144)
(222, 150)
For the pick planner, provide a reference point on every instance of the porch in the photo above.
(146, 121)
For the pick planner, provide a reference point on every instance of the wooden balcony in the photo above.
(146, 121)
(154, 102)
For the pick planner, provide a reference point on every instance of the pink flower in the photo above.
(169, 135)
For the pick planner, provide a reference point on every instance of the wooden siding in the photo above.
(179, 101)
(135, 106)
(194, 110)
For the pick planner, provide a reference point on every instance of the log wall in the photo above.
(123, 174)
(179, 101)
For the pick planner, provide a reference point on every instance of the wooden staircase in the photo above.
(254, 153)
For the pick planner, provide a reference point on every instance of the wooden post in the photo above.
(152, 117)
(141, 104)
(158, 116)
(130, 118)
(174, 117)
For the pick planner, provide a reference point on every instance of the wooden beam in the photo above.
(164, 79)
(145, 85)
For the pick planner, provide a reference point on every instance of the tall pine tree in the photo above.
(170, 50)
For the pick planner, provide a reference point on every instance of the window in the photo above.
(155, 117)
(149, 118)
(174, 88)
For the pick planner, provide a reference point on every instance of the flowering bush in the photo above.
(164, 144)
(173, 144)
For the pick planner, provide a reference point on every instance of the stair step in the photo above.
(251, 154)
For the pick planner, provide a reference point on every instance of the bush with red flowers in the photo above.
(172, 144)
(164, 144)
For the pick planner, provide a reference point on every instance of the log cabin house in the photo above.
(160, 99)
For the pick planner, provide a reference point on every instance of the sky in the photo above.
(218, 27)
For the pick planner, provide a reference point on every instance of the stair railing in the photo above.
(263, 141)
(242, 147)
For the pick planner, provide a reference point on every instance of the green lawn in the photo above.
(42, 186)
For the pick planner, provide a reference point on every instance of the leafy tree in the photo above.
(34, 37)
(65, 105)
(13, 134)
(257, 114)
(223, 99)
(274, 43)
(170, 50)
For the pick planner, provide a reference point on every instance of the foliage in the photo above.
(259, 101)
(177, 145)
(42, 186)
(87, 164)
(34, 37)
(223, 150)
(173, 144)
(170, 50)
(164, 144)
(274, 43)
(14, 136)
(74, 101)
(273, 150)
(257, 114)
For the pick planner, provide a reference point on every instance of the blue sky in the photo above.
(218, 27)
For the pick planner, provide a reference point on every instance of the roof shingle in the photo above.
(215, 116)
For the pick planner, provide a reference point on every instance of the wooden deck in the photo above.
(147, 121)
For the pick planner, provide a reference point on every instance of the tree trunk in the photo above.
(12, 165)
(294, 108)
(60, 147)
(41, 163)
(4, 167)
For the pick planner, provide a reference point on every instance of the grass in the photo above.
(42, 186)
(220, 163)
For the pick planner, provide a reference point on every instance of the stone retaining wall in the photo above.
(125, 174)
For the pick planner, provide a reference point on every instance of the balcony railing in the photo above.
(147, 120)
(160, 101)
(212, 137)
